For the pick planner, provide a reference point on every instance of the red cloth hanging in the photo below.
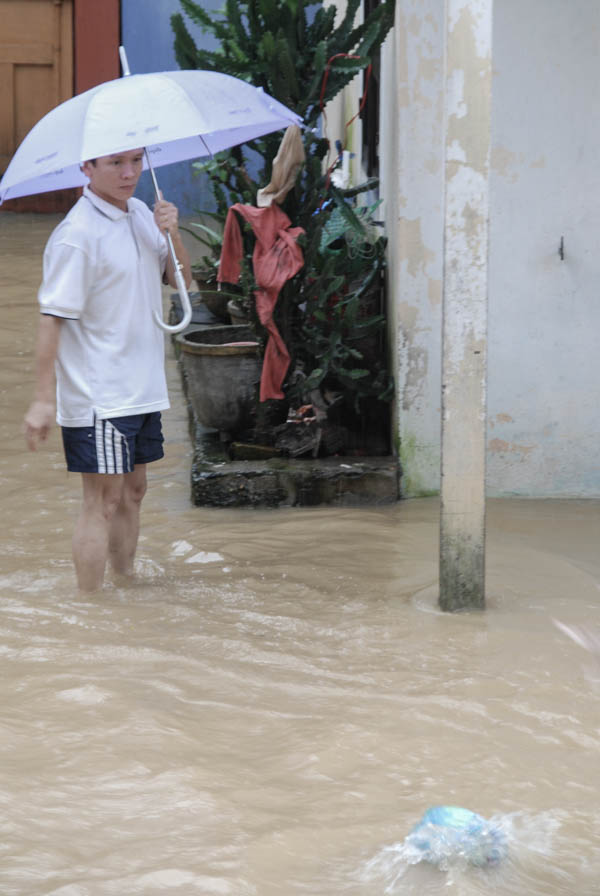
(276, 259)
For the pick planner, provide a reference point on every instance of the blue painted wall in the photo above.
(148, 38)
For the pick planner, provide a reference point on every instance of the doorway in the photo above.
(36, 74)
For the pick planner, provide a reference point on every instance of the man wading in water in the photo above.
(97, 338)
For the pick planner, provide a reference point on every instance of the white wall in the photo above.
(544, 324)
(544, 313)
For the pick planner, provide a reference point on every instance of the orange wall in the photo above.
(97, 31)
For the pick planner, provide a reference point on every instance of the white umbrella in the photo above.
(174, 115)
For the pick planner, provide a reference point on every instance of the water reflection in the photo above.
(275, 701)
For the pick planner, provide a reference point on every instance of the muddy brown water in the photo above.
(275, 701)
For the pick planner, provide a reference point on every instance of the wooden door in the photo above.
(36, 74)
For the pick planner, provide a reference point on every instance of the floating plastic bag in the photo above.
(447, 833)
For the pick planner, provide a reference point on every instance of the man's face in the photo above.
(114, 178)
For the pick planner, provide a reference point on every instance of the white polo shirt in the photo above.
(102, 273)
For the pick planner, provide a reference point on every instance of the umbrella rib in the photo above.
(206, 146)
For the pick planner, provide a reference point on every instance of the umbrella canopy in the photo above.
(174, 115)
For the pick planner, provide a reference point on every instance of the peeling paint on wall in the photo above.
(412, 247)
(469, 28)
(502, 160)
(429, 68)
(414, 24)
(417, 362)
(457, 107)
(505, 163)
(404, 98)
(434, 292)
(463, 14)
(432, 164)
(500, 446)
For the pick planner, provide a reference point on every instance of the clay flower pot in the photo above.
(221, 370)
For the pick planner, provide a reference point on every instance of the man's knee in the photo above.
(102, 494)
(135, 486)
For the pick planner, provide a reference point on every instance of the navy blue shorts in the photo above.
(115, 445)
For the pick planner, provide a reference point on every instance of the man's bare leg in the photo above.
(101, 497)
(125, 524)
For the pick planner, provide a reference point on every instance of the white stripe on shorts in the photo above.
(99, 432)
(109, 447)
(110, 444)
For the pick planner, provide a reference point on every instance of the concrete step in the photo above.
(218, 481)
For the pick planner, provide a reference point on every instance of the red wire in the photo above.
(327, 70)
(364, 96)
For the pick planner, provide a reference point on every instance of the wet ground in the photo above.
(275, 701)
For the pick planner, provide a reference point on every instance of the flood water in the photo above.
(273, 704)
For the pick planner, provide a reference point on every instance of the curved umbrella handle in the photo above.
(186, 305)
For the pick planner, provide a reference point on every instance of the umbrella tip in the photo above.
(124, 63)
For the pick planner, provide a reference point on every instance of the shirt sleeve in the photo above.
(66, 281)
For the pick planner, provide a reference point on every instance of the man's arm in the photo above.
(40, 416)
(166, 217)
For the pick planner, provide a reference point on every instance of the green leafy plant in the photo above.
(343, 321)
(331, 313)
(211, 241)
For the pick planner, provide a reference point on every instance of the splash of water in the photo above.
(431, 860)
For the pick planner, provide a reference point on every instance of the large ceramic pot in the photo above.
(221, 369)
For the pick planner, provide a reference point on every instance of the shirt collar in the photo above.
(106, 208)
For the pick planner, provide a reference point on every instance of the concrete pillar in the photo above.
(468, 79)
